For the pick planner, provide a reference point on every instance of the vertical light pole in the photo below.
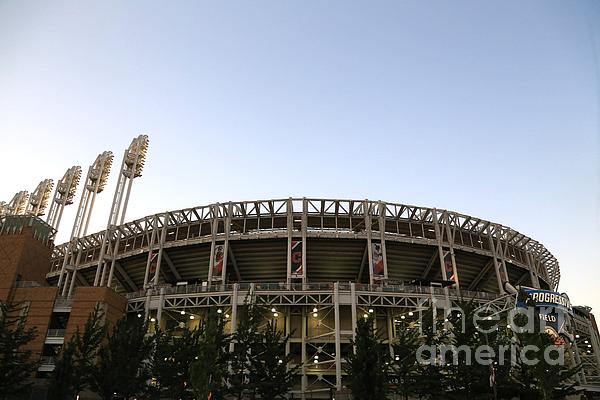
(63, 195)
(95, 182)
(38, 200)
(131, 168)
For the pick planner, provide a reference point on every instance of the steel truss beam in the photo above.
(324, 218)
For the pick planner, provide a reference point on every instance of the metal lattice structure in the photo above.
(38, 200)
(506, 253)
(131, 168)
(95, 182)
(252, 244)
(18, 204)
(63, 195)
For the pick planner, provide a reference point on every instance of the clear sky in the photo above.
(490, 108)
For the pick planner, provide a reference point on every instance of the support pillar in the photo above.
(369, 232)
(215, 226)
(161, 302)
(151, 250)
(304, 241)
(234, 304)
(382, 238)
(290, 230)
(163, 235)
(338, 348)
(353, 308)
(303, 379)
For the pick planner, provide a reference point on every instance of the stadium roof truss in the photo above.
(317, 218)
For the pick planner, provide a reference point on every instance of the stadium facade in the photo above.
(319, 264)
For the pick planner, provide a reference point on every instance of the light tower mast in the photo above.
(95, 182)
(131, 168)
(18, 204)
(63, 196)
(38, 200)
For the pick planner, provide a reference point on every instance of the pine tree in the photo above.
(430, 380)
(171, 361)
(542, 379)
(122, 366)
(466, 378)
(16, 365)
(404, 366)
(367, 366)
(246, 341)
(73, 370)
(208, 372)
(269, 366)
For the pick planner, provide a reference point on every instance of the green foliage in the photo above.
(541, 379)
(246, 340)
(122, 366)
(466, 378)
(16, 366)
(171, 360)
(404, 368)
(367, 366)
(208, 371)
(269, 366)
(74, 369)
(430, 380)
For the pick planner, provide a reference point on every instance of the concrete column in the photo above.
(161, 302)
(369, 232)
(290, 229)
(338, 349)
(304, 240)
(234, 304)
(304, 380)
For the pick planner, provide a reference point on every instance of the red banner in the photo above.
(297, 264)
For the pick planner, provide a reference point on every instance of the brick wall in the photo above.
(41, 303)
(84, 301)
(22, 254)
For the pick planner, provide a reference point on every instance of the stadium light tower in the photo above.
(131, 168)
(18, 204)
(63, 195)
(95, 182)
(38, 200)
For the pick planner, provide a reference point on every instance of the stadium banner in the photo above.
(448, 267)
(297, 264)
(378, 264)
(551, 307)
(217, 268)
(153, 264)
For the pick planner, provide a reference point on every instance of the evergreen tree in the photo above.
(269, 366)
(208, 372)
(171, 361)
(404, 363)
(122, 366)
(430, 380)
(541, 379)
(246, 341)
(465, 377)
(73, 370)
(16, 366)
(367, 366)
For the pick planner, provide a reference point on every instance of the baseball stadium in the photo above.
(318, 265)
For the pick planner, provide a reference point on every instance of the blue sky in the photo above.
(487, 108)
